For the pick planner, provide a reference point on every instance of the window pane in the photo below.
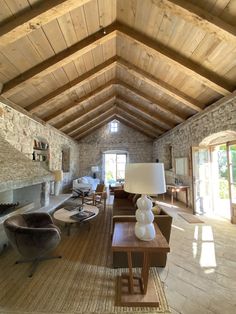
(121, 158)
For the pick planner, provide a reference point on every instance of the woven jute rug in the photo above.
(81, 282)
(192, 219)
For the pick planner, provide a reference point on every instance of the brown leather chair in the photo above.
(33, 235)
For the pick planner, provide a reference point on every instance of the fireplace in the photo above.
(23, 183)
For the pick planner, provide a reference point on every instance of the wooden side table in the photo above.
(133, 290)
(177, 188)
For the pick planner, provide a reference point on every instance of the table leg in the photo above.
(186, 197)
(145, 272)
(172, 197)
(131, 282)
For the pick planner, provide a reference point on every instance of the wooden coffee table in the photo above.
(137, 290)
(64, 215)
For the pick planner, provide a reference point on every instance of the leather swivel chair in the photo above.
(33, 235)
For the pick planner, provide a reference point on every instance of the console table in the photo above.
(174, 189)
(136, 290)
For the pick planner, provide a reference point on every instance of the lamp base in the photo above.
(145, 232)
(144, 228)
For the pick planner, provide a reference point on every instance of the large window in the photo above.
(115, 167)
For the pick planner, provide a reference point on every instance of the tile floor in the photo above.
(200, 276)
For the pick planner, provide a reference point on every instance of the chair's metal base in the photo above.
(36, 261)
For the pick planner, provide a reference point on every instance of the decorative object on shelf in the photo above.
(145, 178)
(94, 170)
(58, 175)
(41, 152)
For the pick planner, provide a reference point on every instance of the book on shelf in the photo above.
(85, 214)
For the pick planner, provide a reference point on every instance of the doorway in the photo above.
(214, 179)
(114, 167)
(220, 181)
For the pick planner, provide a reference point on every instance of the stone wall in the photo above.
(215, 119)
(138, 146)
(20, 131)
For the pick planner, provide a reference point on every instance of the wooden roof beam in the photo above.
(61, 59)
(161, 85)
(172, 114)
(185, 65)
(146, 111)
(94, 128)
(67, 110)
(95, 121)
(92, 114)
(122, 119)
(138, 114)
(68, 122)
(199, 17)
(72, 85)
(132, 118)
(35, 18)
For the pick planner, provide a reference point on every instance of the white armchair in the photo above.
(85, 183)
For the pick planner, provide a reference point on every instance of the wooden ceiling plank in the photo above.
(143, 108)
(69, 121)
(133, 126)
(36, 18)
(199, 17)
(185, 65)
(157, 83)
(140, 114)
(91, 114)
(72, 85)
(173, 114)
(131, 117)
(97, 126)
(61, 59)
(87, 123)
(95, 121)
(65, 110)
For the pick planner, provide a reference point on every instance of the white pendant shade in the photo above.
(145, 178)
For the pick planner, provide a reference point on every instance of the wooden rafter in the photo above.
(134, 126)
(139, 114)
(92, 114)
(197, 16)
(68, 109)
(93, 122)
(72, 85)
(134, 113)
(70, 121)
(132, 118)
(146, 111)
(95, 127)
(36, 18)
(172, 114)
(161, 85)
(58, 61)
(185, 65)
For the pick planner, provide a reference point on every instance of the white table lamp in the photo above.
(94, 170)
(145, 178)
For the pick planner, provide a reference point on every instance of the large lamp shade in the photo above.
(145, 178)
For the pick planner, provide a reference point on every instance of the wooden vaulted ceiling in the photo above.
(151, 64)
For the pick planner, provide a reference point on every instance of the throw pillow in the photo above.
(84, 180)
(156, 210)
